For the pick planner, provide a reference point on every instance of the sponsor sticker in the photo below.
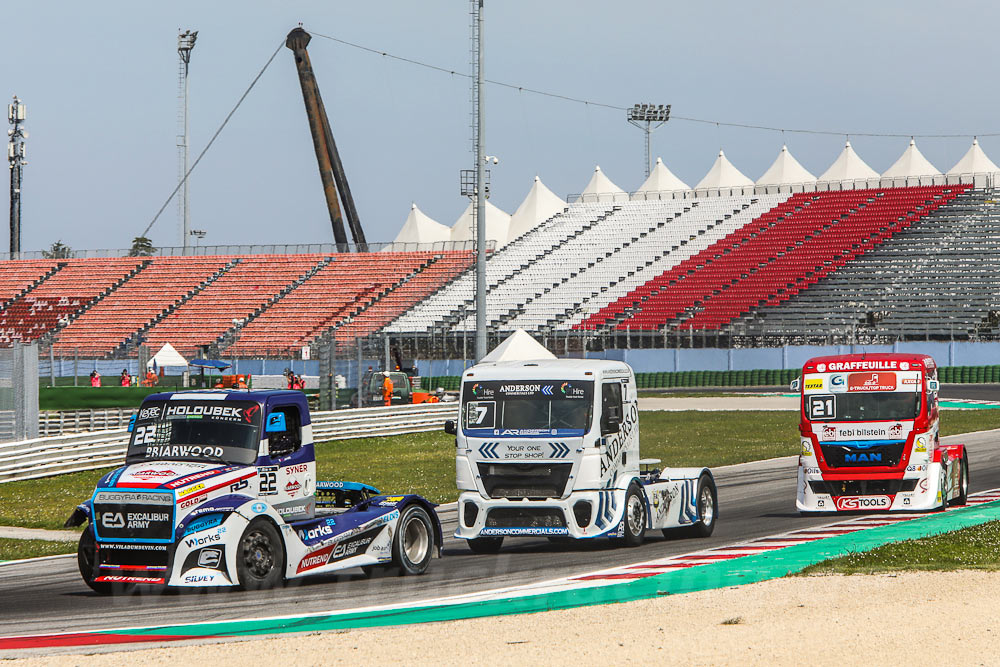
(525, 531)
(849, 503)
(188, 491)
(838, 383)
(814, 383)
(121, 578)
(881, 381)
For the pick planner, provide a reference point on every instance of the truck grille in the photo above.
(525, 480)
(134, 515)
(863, 487)
(841, 456)
(526, 517)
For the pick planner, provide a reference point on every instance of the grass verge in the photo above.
(973, 548)
(11, 549)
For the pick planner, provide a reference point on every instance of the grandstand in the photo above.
(863, 258)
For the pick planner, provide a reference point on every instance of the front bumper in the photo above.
(917, 491)
(581, 515)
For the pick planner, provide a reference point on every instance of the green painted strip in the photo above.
(745, 570)
(968, 406)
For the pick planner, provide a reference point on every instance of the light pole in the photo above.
(198, 234)
(648, 117)
(15, 155)
(185, 44)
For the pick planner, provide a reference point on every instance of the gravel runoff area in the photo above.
(916, 618)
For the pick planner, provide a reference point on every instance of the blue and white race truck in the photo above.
(219, 489)
(551, 448)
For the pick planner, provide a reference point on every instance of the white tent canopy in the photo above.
(848, 167)
(911, 163)
(519, 346)
(421, 228)
(975, 161)
(662, 179)
(785, 169)
(497, 225)
(723, 175)
(540, 205)
(167, 357)
(601, 189)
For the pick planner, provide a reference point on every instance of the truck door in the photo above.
(289, 482)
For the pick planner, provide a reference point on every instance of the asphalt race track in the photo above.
(755, 499)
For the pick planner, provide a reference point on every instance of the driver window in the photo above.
(611, 407)
(288, 439)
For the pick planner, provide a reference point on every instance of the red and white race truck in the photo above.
(869, 430)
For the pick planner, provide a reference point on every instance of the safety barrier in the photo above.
(62, 422)
(56, 455)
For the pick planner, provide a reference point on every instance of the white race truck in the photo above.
(551, 448)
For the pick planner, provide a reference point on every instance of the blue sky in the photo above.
(100, 83)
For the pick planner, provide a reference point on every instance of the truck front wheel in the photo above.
(260, 559)
(634, 519)
(486, 545)
(86, 552)
(963, 482)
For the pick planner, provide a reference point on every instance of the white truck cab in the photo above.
(551, 448)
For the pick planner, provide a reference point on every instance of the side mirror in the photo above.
(449, 427)
(796, 384)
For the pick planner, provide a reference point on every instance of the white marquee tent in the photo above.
(601, 189)
(975, 161)
(785, 170)
(421, 228)
(662, 179)
(167, 357)
(848, 167)
(538, 206)
(723, 175)
(911, 163)
(519, 346)
(497, 225)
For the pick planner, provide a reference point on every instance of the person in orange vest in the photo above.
(387, 389)
(150, 380)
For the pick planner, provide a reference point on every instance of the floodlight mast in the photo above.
(643, 116)
(480, 115)
(185, 44)
(15, 156)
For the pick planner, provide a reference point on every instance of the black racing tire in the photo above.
(707, 502)
(963, 483)
(86, 552)
(413, 543)
(486, 545)
(260, 556)
(634, 518)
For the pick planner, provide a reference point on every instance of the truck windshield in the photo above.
(196, 430)
(533, 407)
(861, 407)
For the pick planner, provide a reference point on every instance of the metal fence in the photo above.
(45, 457)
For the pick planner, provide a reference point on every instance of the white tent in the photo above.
(975, 161)
(786, 169)
(662, 179)
(911, 163)
(497, 225)
(540, 205)
(421, 228)
(723, 175)
(848, 167)
(601, 189)
(167, 357)
(519, 346)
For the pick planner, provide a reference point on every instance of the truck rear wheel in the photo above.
(413, 544)
(486, 545)
(634, 519)
(963, 482)
(260, 558)
(86, 552)
(706, 503)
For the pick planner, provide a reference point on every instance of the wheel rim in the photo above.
(416, 539)
(706, 506)
(636, 515)
(258, 554)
